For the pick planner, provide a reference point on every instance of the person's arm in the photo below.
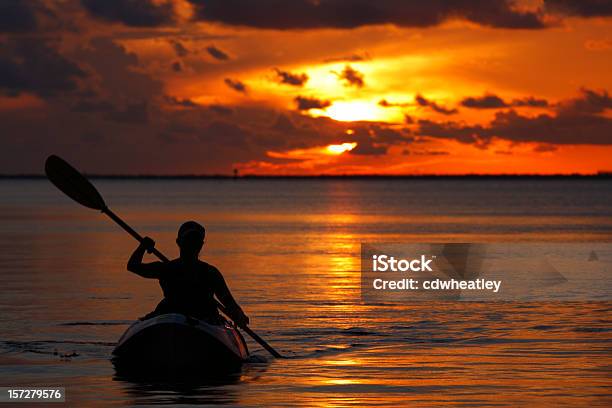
(225, 296)
(146, 270)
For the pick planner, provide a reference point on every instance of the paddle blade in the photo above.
(72, 183)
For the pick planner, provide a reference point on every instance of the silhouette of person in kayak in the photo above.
(189, 284)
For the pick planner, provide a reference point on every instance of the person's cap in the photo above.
(191, 227)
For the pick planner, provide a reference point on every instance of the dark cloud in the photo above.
(452, 130)
(137, 112)
(369, 148)
(179, 48)
(560, 129)
(545, 148)
(307, 14)
(422, 101)
(577, 121)
(299, 131)
(306, 103)
(590, 102)
(289, 78)
(36, 17)
(488, 101)
(425, 152)
(491, 101)
(375, 139)
(137, 13)
(530, 101)
(581, 8)
(387, 135)
(386, 104)
(283, 124)
(225, 133)
(217, 53)
(349, 58)
(181, 127)
(17, 16)
(120, 93)
(92, 105)
(186, 103)
(236, 85)
(221, 110)
(129, 113)
(351, 76)
(119, 74)
(35, 66)
(122, 102)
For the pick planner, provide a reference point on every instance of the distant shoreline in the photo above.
(601, 175)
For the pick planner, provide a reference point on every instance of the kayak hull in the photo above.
(172, 342)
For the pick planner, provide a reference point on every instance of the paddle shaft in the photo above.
(162, 257)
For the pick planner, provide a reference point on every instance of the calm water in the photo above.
(290, 252)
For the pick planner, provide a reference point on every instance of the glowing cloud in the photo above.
(314, 153)
(340, 148)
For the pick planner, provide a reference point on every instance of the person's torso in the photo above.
(190, 288)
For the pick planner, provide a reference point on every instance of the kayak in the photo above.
(174, 342)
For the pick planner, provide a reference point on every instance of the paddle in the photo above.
(76, 186)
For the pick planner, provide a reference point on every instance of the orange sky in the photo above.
(327, 87)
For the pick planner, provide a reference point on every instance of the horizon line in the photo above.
(600, 174)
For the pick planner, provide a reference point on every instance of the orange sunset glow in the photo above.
(307, 88)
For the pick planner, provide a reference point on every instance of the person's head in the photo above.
(190, 239)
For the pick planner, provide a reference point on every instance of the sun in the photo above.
(336, 149)
(353, 111)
